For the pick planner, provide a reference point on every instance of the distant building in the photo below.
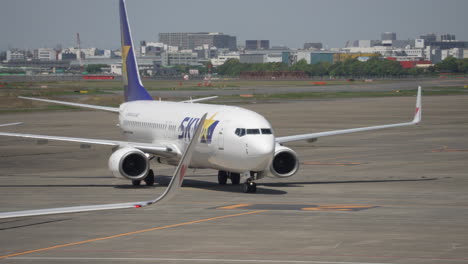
(313, 46)
(317, 57)
(257, 44)
(45, 54)
(446, 37)
(15, 55)
(253, 58)
(205, 52)
(186, 57)
(367, 43)
(292, 57)
(222, 59)
(186, 40)
(455, 52)
(388, 36)
(429, 37)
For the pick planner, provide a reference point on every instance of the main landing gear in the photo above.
(223, 176)
(149, 180)
(248, 187)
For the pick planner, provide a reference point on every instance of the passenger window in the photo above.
(253, 131)
(266, 131)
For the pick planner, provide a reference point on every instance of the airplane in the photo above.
(239, 143)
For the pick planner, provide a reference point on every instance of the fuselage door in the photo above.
(221, 138)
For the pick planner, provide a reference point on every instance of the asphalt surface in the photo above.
(391, 196)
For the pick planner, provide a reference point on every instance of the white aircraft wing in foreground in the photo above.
(172, 188)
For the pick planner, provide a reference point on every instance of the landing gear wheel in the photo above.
(249, 187)
(149, 180)
(222, 177)
(235, 178)
(136, 182)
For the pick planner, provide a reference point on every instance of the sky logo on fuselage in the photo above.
(189, 124)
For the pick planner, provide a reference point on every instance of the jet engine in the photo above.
(285, 162)
(129, 163)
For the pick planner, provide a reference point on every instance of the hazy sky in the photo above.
(46, 23)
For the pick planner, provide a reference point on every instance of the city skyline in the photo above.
(28, 24)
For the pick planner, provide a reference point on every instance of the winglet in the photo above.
(133, 88)
(11, 124)
(418, 112)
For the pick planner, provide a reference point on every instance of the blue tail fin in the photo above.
(133, 88)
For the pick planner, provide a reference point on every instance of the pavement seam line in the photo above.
(128, 233)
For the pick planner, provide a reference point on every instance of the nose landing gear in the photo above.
(249, 177)
(249, 186)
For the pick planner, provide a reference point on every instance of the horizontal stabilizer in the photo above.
(200, 99)
(97, 107)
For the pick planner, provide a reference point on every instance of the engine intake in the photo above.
(285, 162)
(129, 163)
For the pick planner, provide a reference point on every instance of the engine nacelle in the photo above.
(129, 163)
(285, 162)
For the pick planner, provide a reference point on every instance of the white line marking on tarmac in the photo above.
(193, 260)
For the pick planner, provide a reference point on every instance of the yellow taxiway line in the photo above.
(127, 234)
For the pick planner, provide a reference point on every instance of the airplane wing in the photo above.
(97, 107)
(145, 147)
(172, 188)
(416, 120)
(11, 124)
(199, 99)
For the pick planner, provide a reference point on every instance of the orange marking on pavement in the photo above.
(234, 206)
(325, 209)
(127, 234)
(449, 150)
(336, 207)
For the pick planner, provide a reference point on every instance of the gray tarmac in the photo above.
(356, 86)
(391, 196)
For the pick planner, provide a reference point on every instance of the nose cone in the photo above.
(260, 152)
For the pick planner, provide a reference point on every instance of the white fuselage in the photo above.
(233, 139)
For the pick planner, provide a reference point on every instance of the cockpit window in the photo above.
(253, 131)
(240, 132)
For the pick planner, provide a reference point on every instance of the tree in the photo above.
(463, 65)
(449, 64)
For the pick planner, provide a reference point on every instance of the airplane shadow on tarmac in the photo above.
(214, 186)
(196, 182)
(190, 182)
(26, 222)
(301, 184)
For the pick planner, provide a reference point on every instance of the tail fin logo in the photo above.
(125, 51)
